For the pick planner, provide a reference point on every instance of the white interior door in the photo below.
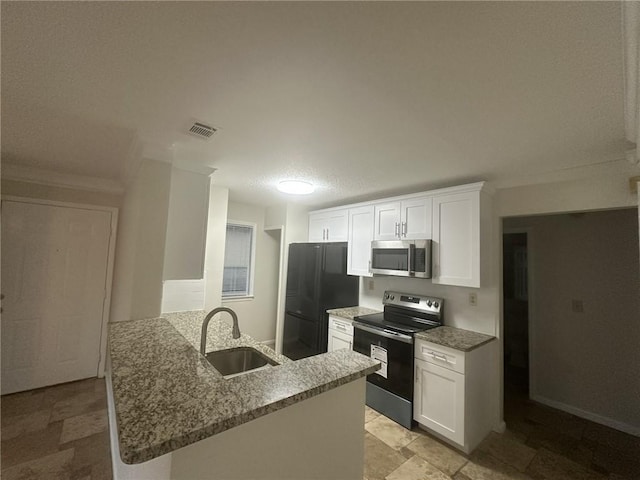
(54, 280)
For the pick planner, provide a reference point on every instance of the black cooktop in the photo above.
(406, 324)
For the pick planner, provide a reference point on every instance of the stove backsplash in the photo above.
(458, 313)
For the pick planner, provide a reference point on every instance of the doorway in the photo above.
(516, 311)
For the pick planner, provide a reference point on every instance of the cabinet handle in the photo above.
(404, 229)
(340, 327)
(324, 234)
(327, 234)
(369, 266)
(397, 229)
(442, 358)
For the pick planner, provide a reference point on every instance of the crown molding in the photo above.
(620, 167)
(40, 176)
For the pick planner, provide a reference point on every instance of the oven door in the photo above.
(396, 349)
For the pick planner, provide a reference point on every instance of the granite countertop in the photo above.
(167, 395)
(350, 312)
(456, 338)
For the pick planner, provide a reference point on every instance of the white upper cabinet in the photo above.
(387, 221)
(415, 220)
(360, 237)
(406, 219)
(329, 226)
(458, 220)
(456, 239)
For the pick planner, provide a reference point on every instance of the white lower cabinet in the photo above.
(439, 400)
(452, 394)
(340, 334)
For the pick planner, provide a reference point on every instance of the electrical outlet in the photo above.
(577, 306)
(473, 299)
(371, 285)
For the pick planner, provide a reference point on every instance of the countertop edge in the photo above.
(349, 313)
(429, 336)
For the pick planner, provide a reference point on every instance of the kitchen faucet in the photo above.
(205, 324)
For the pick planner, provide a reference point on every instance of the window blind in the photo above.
(237, 261)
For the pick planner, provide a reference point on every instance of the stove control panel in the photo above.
(413, 302)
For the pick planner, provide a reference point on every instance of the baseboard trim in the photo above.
(501, 427)
(594, 417)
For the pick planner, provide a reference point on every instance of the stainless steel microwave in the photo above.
(404, 258)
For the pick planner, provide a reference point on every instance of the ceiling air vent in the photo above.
(201, 130)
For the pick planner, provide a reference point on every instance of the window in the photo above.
(239, 253)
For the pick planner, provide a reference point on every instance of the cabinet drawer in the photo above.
(340, 325)
(439, 355)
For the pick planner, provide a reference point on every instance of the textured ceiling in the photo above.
(357, 97)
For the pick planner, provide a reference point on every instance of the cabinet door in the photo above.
(416, 218)
(360, 237)
(337, 226)
(317, 227)
(456, 239)
(387, 221)
(439, 400)
(338, 341)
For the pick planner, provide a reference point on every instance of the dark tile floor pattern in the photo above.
(61, 433)
(540, 443)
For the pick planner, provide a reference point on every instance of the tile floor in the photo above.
(61, 433)
(539, 443)
(58, 432)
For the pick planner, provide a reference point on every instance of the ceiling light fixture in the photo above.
(296, 187)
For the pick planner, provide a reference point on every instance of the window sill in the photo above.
(240, 298)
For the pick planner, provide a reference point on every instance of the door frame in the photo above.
(528, 231)
(106, 304)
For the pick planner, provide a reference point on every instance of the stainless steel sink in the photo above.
(235, 361)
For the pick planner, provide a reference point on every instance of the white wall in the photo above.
(186, 225)
(214, 250)
(587, 363)
(601, 189)
(457, 310)
(137, 278)
(257, 315)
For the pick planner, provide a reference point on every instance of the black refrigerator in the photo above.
(317, 280)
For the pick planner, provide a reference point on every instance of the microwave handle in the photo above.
(411, 259)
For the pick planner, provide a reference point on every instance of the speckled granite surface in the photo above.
(456, 338)
(350, 312)
(167, 395)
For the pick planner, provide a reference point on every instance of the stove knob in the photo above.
(429, 303)
(386, 296)
(435, 304)
(393, 297)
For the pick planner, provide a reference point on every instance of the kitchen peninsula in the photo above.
(173, 415)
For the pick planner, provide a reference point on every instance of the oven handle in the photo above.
(384, 333)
